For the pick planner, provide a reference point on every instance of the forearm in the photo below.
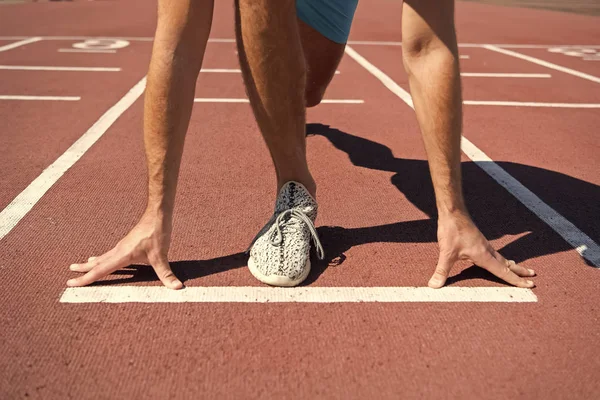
(430, 55)
(437, 98)
(180, 42)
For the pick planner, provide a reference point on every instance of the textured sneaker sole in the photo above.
(278, 280)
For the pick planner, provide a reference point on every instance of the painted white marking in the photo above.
(49, 68)
(474, 45)
(231, 71)
(102, 44)
(219, 100)
(232, 100)
(502, 75)
(542, 63)
(581, 242)
(573, 235)
(221, 70)
(244, 294)
(24, 202)
(464, 57)
(386, 80)
(86, 51)
(530, 104)
(48, 98)
(20, 43)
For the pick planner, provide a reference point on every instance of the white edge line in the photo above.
(241, 294)
(52, 68)
(20, 43)
(581, 242)
(45, 98)
(221, 70)
(542, 63)
(231, 70)
(26, 200)
(530, 104)
(502, 75)
(236, 100)
(86, 51)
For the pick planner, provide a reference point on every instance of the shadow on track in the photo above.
(495, 211)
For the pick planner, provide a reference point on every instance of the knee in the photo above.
(427, 48)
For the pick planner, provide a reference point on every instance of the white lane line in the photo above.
(542, 63)
(231, 71)
(232, 100)
(51, 68)
(221, 70)
(502, 75)
(241, 294)
(464, 57)
(86, 51)
(530, 104)
(24, 202)
(20, 43)
(46, 98)
(584, 245)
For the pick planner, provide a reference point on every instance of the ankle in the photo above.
(307, 181)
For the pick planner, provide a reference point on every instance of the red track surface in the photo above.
(375, 203)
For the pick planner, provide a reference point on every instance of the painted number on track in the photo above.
(586, 53)
(101, 44)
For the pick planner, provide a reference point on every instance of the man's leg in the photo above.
(430, 55)
(274, 73)
(181, 36)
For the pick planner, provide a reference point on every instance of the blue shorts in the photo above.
(331, 18)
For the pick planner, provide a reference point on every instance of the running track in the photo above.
(73, 183)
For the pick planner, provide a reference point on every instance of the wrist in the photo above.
(452, 210)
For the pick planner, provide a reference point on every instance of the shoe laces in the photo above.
(290, 225)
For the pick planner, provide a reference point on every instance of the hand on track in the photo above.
(147, 243)
(460, 239)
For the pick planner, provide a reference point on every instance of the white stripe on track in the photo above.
(51, 68)
(542, 63)
(259, 294)
(530, 104)
(240, 100)
(86, 51)
(502, 75)
(19, 43)
(45, 98)
(26, 200)
(581, 242)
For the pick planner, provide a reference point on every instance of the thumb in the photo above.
(164, 272)
(438, 279)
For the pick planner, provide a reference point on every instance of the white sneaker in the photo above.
(280, 253)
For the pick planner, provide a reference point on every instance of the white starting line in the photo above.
(244, 294)
(502, 75)
(51, 68)
(231, 70)
(241, 100)
(530, 104)
(86, 51)
(46, 98)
